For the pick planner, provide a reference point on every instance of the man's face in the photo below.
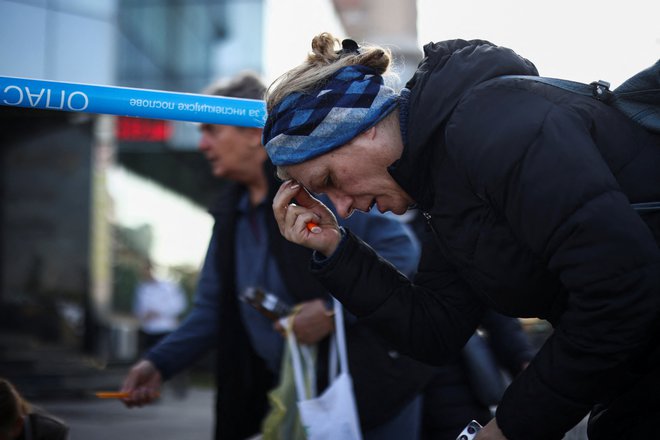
(232, 152)
(353, 176)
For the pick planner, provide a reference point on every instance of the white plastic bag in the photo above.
(332, 415)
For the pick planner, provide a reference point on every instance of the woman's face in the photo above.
(354, 176)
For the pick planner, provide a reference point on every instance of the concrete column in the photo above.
(392, 23)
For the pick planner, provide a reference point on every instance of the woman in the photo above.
(527, 189)
(20, 421)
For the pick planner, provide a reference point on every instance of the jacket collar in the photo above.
(408, 171)
(448, 71)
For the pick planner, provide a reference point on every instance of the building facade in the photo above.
(59, 241)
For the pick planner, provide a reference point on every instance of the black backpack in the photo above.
(638, 98)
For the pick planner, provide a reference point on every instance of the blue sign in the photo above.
(124, 101)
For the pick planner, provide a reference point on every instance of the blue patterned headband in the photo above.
(306, 125)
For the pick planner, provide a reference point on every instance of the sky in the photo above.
(287, 46)
(581, 40)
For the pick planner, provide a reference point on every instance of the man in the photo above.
(247, 252)
(157, 305)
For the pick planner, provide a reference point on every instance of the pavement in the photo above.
(172, 418)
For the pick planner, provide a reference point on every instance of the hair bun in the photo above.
(324, 48)
(327, 56)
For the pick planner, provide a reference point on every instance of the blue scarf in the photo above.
(306, 125)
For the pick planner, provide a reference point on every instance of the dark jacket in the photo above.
(466, 389)
(528, 190)
(383, 383)
(39, 425)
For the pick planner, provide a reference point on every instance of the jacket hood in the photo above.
(449, 70)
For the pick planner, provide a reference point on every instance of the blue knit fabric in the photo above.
(306, 125)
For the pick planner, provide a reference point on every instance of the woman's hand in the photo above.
(292, 219)
(490, 432)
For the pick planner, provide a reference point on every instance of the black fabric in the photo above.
(529, 190)
(633, 416)
(449, 404)
(43, 426)
(383, 384)
(639, 98)
(384, 380)
(452, 399)
(637, 406)
(242, 377)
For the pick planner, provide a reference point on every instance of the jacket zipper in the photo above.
(427, 216)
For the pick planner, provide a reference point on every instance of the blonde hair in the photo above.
(324, 60)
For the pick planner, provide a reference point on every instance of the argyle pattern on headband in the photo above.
(306, 125)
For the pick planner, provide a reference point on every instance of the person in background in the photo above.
(21, 421)
(248, 253)
(527, 189)
(157, 304)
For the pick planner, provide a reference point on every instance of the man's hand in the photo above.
(143, 382)
(490, 432)
(311, 323)
(292, 219)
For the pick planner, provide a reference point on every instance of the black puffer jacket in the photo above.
(528, 189)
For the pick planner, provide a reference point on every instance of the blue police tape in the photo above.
(124, 101)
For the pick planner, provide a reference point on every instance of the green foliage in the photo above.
(126, 277)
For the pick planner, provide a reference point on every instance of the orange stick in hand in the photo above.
(117, 395)
(311, 225)
(113, 395)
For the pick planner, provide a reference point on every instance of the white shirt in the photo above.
(158, 305)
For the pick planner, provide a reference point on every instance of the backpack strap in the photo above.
(599, 90)
(646, 207)
(638, 97)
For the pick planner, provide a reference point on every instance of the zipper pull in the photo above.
(427, 216)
